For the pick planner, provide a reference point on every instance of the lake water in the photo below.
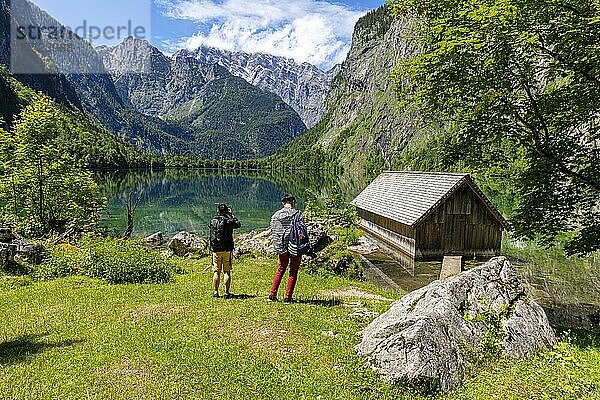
(175, 201)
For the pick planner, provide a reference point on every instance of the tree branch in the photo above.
(547, 155)
(574, 67)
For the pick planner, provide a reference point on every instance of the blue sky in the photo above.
(315, 31)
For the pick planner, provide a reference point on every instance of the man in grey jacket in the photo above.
(280, 228)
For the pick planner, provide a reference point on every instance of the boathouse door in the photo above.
(455, 234)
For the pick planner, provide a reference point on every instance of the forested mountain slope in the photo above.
(363, 128)
(85, 139)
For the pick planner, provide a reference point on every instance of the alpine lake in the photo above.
(185, 200)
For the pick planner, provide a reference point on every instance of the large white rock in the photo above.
(429, 336)
(185, 243)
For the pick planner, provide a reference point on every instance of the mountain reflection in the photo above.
(174, 201)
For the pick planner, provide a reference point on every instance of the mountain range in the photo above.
(207, 112)
(303, 86)
(231, 118)
(232, 105)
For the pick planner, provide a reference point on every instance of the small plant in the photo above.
(490, 347)
(64, 260)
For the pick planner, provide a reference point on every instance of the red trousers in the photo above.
(284, 261)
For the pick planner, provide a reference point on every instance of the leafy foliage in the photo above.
(112, 260)
(333, 209)
(88, 141)
(43, 187)
(340, 219)
(518, 81)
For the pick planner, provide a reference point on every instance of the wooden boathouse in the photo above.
(431, 215)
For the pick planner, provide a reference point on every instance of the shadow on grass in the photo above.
(241, 297)
(18, 350)
(331, 302)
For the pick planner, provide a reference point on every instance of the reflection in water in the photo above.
(174, 201)
(571, 300)
(569, 295)
(418, 275)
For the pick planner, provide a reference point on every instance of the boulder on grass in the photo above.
(156, 239)
(318, 235)
(185, 243)
(254, 242)
(431, 335)
(28, 253)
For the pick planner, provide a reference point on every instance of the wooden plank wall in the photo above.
(401, 242)
(386, 223)
(462, 225)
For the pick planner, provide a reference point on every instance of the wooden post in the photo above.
(452, 265)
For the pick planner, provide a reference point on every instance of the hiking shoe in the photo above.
(272, 299)
(227, 296)
(288, 301)
(215, 295)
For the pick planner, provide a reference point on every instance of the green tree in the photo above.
(522, 71)
(43, 188)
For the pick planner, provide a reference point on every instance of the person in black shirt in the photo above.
(221, 244)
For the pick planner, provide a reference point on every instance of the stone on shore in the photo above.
(184, 244)
(156, 239)
(430, 336)
(258, 242)
(15, 250)
(28, 253)
(365, 246)
(7, 255)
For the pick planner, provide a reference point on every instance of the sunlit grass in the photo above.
(78, 338)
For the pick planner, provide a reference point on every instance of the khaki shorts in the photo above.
(222, 262)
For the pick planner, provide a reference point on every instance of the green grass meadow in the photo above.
(80, 338)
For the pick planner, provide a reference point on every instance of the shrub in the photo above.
(64, 260)
(117, 261)
(112, 260)
(336, 259)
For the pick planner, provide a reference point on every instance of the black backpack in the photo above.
(299, 243)
(217, 231)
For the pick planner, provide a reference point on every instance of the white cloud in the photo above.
(314, 31)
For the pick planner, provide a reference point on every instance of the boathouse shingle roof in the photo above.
(409, 197)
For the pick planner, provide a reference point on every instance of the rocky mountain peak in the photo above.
(302, 86)
(133, 56)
